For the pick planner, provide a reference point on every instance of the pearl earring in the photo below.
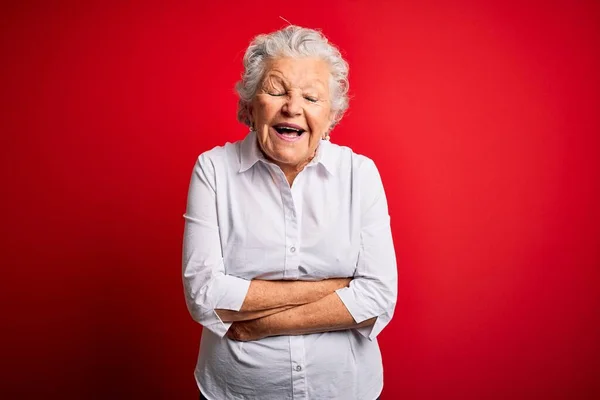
(327, 137)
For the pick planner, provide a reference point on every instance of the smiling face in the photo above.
(291, 111)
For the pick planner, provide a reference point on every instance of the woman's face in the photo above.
(291, 111)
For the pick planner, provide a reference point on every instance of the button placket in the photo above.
(299, 383)
(291, 227)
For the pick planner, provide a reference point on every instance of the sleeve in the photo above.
(205, 283)
(374, 289)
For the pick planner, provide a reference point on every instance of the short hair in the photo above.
(291, 41)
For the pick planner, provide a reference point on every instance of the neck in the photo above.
(290, 171)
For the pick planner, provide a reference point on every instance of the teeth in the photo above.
(289, 131)
(289, 128)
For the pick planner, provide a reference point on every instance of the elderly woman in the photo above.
(288, 260)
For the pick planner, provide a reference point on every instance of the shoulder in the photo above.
(220, 157)
(346, 160)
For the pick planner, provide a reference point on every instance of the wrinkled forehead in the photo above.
(297, 72)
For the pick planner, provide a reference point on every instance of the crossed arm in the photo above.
(269, 297)
(274, 308)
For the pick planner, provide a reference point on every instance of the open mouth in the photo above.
(289, 130)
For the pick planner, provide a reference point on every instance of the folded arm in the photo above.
(270, 297)
(325, 315)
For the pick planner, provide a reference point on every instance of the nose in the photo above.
(293, 105)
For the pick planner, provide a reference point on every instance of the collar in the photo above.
(250, 154)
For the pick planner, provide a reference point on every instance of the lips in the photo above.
(287, 129)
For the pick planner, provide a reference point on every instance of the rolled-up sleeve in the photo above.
(206, 285)
(373, 291)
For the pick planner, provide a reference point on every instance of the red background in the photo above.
(482, 117)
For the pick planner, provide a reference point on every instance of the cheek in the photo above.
(264, 110)
(318, 120)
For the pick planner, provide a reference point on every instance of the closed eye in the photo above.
(277, 94)
(311, 99)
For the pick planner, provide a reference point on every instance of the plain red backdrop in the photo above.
(483, 118)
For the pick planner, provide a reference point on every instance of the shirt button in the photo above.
(293, 249)
(298, 368)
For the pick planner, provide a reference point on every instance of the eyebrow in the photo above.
(275, 74)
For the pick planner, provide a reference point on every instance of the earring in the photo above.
(251, 127)
(327, 137)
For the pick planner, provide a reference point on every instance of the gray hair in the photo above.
(291, 41)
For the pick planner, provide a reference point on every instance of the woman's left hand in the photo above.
(245, 331)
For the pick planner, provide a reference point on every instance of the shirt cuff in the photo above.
(213, 323)
(233, 291)
(371, 332)
(359, 314)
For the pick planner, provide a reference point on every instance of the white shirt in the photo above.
(244, 222)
